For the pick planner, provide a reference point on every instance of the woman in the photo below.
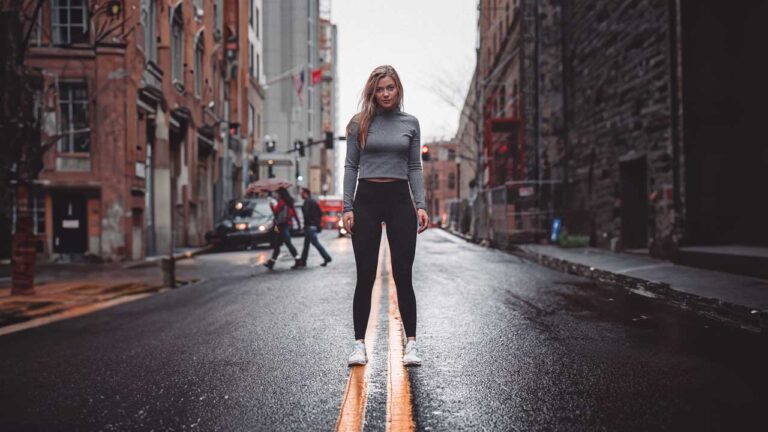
(383, 160)
(284, 213)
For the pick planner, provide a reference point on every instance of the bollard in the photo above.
(168, 267)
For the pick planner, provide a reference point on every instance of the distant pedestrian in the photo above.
(284, 213)
(312, 225)
(381, 171)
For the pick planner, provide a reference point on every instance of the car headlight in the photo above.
(241, 226)
(341, 223)
(262, 228)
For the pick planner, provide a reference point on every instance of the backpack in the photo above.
(282, 216)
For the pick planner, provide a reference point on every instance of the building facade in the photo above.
(291, 114)
(299, 52)
(441, 182)
(138, 101)
(629, 121)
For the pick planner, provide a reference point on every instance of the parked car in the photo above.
(247, 222)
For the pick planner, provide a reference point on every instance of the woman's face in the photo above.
(386, 93)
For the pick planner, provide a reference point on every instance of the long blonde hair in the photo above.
(368, 101)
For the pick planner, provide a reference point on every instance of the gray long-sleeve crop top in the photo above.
(392, 150)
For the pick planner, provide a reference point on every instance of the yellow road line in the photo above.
(399, 399)
(352, 413)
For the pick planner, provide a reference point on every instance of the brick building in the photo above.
(518, 101)
(140, 99)
(636, 122)
(441, 180)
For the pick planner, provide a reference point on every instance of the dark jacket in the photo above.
(311, 212)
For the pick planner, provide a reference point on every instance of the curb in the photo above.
(85, 308)
(155, 261)
(731, 314)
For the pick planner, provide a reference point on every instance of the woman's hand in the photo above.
(423, 220)
(349, 221)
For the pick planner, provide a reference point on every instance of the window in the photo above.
(216, 21)
(199, 50)
(451, 155)
(451, 181)
(250, 12)
(75, 128)
(149, 23)
(38, 214)
(258, 15)
(251, 119)
(258, 67)
(177, 46)
(69, 21)
(250, 59)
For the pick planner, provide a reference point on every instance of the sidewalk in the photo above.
(72, 289)
(738, 300)
(734, 299)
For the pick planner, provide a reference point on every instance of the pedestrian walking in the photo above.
(381, 171)
(312, 225)
(284, 213)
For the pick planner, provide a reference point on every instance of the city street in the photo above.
(507, 345)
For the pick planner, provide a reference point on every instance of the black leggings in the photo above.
(391, 203)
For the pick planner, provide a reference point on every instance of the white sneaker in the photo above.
(411, 358)
(358, 356)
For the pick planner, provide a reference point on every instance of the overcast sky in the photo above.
(431, 43)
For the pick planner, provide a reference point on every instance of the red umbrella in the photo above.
(268, 185)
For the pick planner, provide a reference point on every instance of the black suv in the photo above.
(247, 222)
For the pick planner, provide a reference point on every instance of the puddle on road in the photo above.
(652, 322)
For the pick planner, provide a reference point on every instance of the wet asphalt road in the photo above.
(507, 345)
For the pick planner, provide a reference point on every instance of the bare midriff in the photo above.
(381, 179)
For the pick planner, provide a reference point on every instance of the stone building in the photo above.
(137, 100)
(663, 98)
(635, 122)
(323, 172)
(300, 65)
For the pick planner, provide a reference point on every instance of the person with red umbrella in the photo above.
(284, 213)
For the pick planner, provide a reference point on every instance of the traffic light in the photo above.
(234, 130)
(269, 144)
(329, 140)
(425, 153)
(298, 146)
(234, 136)
(253, 171)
